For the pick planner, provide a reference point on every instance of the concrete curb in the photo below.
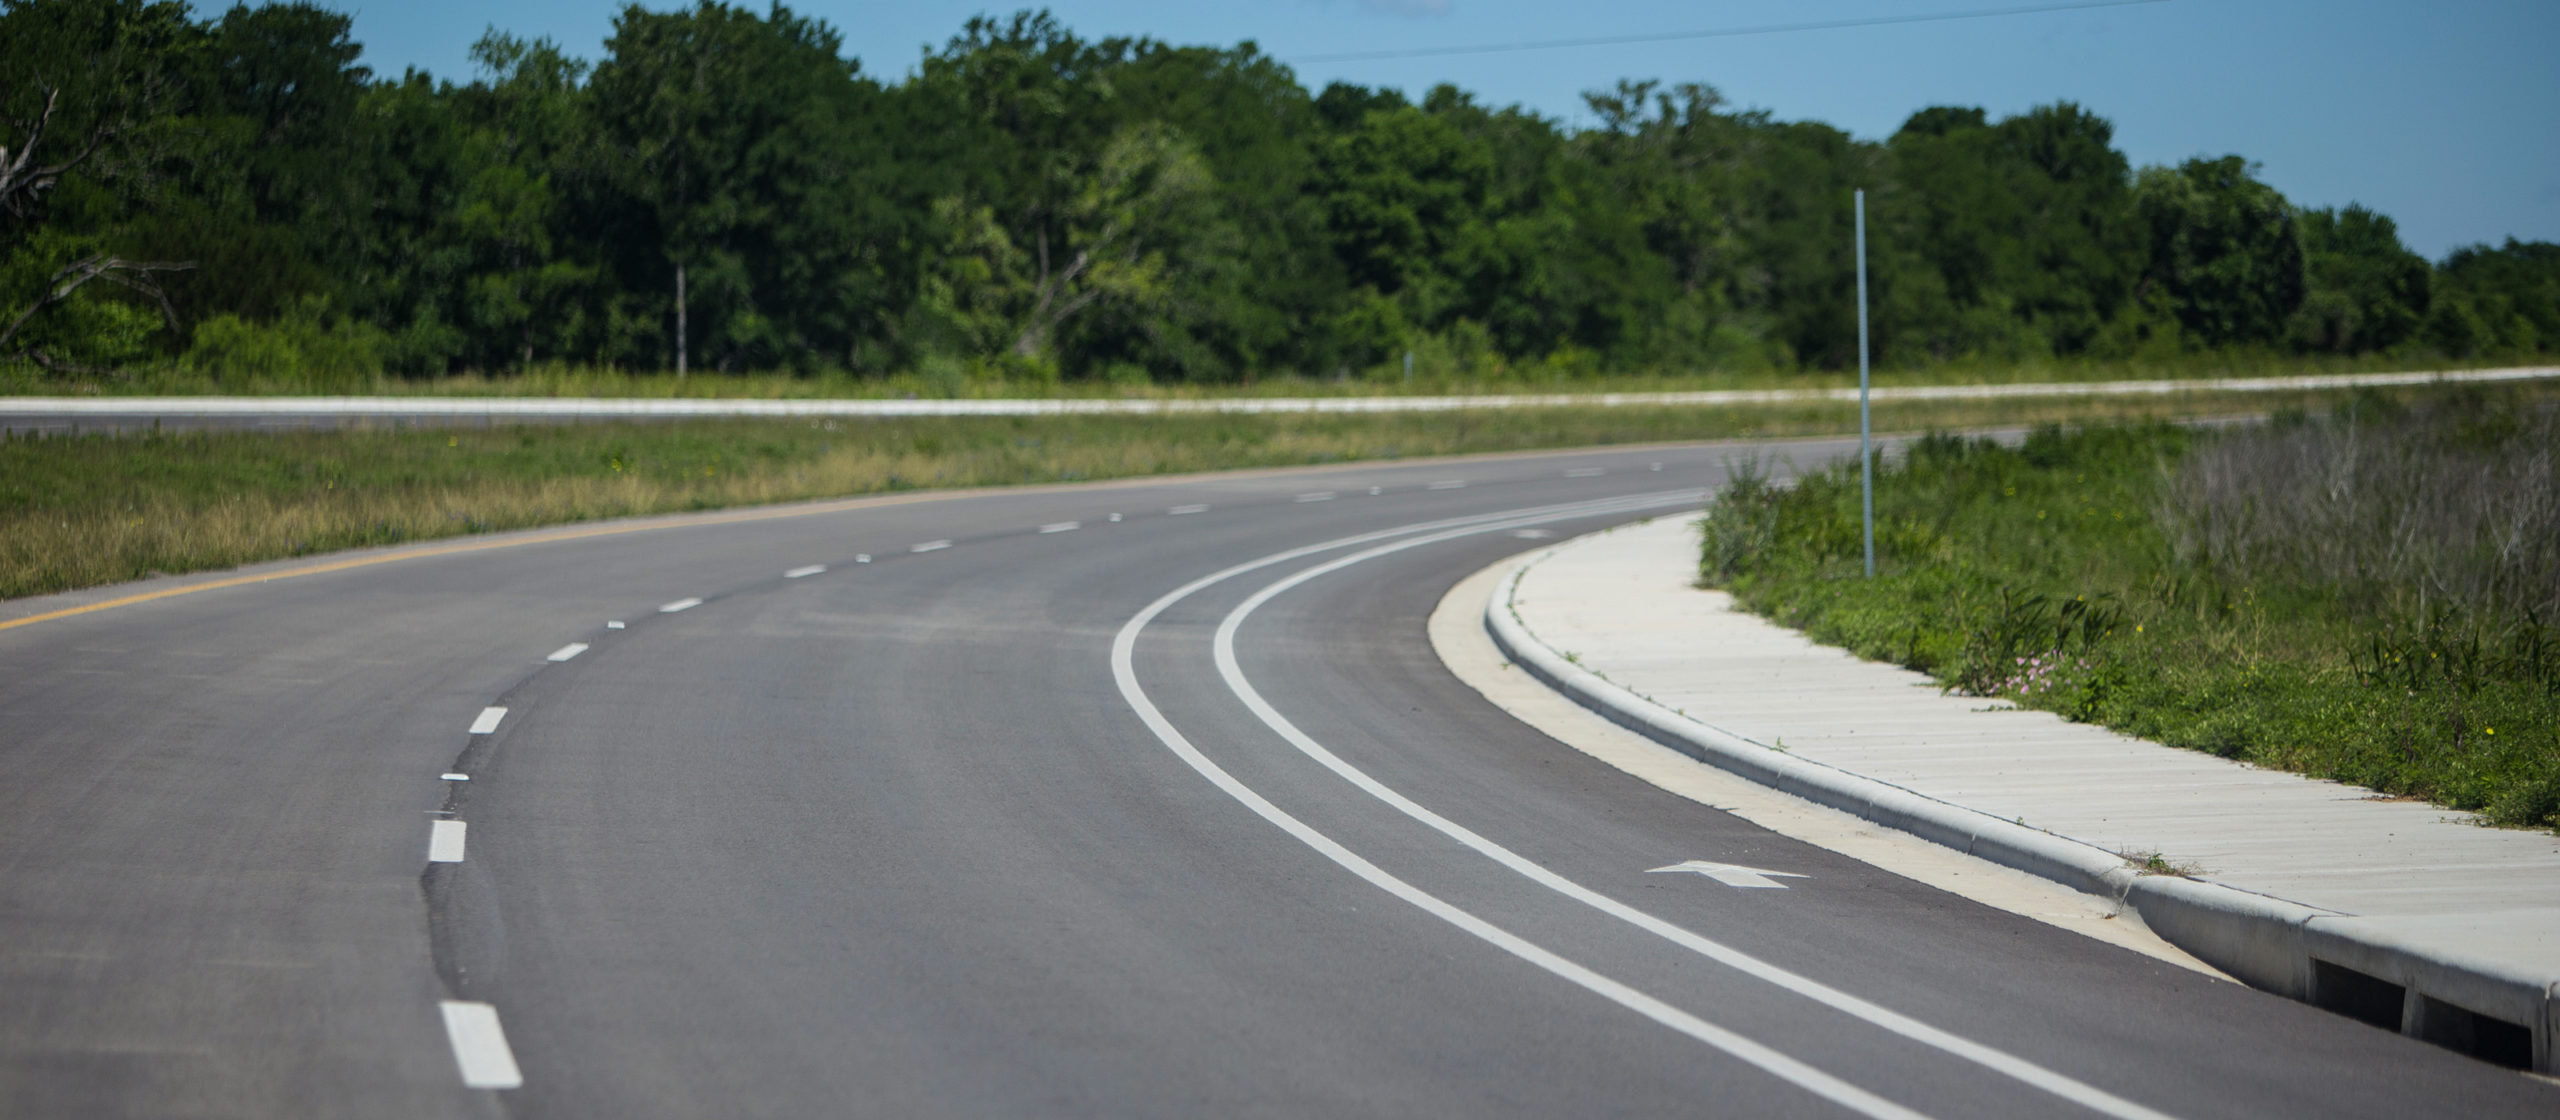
(2268, 943)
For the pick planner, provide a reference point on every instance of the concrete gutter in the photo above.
(2395, 973)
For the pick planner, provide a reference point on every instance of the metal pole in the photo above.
(1866, 446)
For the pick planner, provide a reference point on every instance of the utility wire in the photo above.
(1720, 33)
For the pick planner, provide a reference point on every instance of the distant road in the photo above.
(95, 414)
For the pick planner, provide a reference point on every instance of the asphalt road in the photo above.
(1005, 827)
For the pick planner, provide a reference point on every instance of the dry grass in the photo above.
(2454, 507)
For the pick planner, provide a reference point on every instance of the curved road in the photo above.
(1141, 799)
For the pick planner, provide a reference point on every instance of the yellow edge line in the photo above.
(452, 549)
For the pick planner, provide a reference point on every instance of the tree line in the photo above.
(726, 189)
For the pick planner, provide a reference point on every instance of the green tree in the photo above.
(736, 137)
(89, 92)
(2506, 298)
(2367, 291)
(2226, 251)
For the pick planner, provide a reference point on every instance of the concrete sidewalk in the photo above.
(2399, 913)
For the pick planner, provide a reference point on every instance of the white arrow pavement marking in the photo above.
(1124, 671)
(1223, 651)
(1733, 874)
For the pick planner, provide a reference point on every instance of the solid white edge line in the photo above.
(444, 841)
(488, 720)
(480, 1045)
(1123, 672)
(804, 572)
(1062, 527)
(680, 605)
(2000, 1061)
(566, 652)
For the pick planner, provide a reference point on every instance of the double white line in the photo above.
(1783, 1066)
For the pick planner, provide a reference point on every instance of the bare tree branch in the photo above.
(135, 275)
(21, 185)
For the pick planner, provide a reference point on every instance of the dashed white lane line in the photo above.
(1318, 496)
(929, 546)
(862, 558)
(680, 605)
(616, 624)
(488, 720)
(804, 572)
(480, 1045)
(1452, 484)
(1178, 511)
(457, 777)
(1653, 467)
(566, 652)
(1586, 472)
(1062, 527)
(1115, 518)
(444, 841)
(1374, 491)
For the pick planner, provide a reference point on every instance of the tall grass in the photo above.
(2454, 506)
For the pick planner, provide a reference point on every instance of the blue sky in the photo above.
(2440, 115)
